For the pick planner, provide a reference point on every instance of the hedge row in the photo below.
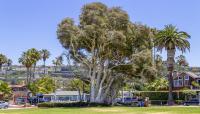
(72, 104)
(162, 95)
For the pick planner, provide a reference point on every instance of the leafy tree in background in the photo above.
(79, 85)
(181, 64)
(158, 84)
(109, 46)
(43, 85)
(160, 66)
(45, 54)
(5, 90)
(171, 39)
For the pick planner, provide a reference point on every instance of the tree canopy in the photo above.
(109, 46)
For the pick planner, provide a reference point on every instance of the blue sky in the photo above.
(26, 24)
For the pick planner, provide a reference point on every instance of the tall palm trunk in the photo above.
(27, 76)
(6, 77)
(170, 66)
(0, 67)
(34, 67)
(44, 67)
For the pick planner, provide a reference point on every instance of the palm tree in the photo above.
(9, 63)
(3, 60)
(57, 62)
(44, 55)
(171, 39)
(35, 56)
(5, 89)
(27, 61)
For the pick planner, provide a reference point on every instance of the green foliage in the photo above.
(181, 64)
(30, 57)
(158, 84)
(5, 90)
(109, 46)
(162, 95)
(79, 85)
(160, 67)
(195, 84)
(45, 54)
(72, 104)
(172, 38)
(189, 92)
(110, 110)
(3, 60)
(58, 61)
(43, 85)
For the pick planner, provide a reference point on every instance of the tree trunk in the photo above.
(44, 68)
(82, 97)
(27, 76)
(170, 96)
(0, 67)
(6, 77)
(100, 88)
(79, 94)
(92, 89)
(170, 66)
(34, 71)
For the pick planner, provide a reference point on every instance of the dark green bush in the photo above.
(162, 95)
(72, 104)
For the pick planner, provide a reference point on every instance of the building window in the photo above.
(186, 82)
(186, 77)
(73, 98)
(178, 83)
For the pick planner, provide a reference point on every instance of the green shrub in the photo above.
(162, 95)
(72, 104)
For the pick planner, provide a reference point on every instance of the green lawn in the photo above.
(109, 110)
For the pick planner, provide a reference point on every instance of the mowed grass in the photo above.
(107, 110)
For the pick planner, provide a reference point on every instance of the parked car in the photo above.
(20, 100)
(191, 102)
(34, 100)
(126, 100)
(3, 104)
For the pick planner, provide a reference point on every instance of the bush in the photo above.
(162, 95)
(72, 104)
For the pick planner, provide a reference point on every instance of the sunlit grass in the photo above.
(107, 110)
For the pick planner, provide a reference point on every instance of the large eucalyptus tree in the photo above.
(171, 39)
(104, 42)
